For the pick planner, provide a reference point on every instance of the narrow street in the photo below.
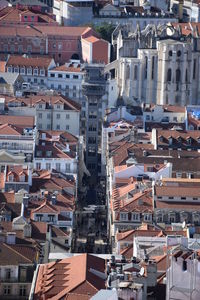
(91, 222)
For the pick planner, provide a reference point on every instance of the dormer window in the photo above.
(179, 139)
(16, 70)
(22, 71)
(198, 140)
(35, 72)
(29, 71)
(170, 139)
(42, 72)
(189, 141)
(22, 178)
(161, 138)
(10, 178)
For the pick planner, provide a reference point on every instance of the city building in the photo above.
(83, 282)
(67, 80)
(177, 200)
(58, 151)
(59, 42)
(32, 69)
(73, 13)
(176, 139)
(161, 69)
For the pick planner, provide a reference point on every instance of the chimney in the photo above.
(27, 230)
(11, 238)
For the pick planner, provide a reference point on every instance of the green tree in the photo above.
(105, 30)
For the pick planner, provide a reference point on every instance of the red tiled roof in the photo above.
(58, 280)
(7, 129)
(21, 61)
(26, 121)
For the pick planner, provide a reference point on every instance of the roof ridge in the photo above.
(17, 252)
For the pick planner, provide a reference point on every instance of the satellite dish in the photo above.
(141, 271)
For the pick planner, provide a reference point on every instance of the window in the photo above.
(22, 178)
(153, 64)
(40, 115)
(48, 166)
(194, 198)
(178, 175)
(178, 75)
(179, 53)
(67, 127)
(29, 49)
(169, 75)
(40, 106)
(74, 95)
(7, 290)
(42, 72)
(184, 266)
(67, 167)
(146, 67)
(57, 116)
(58, 106)
(170, 53)
(123, 216)
(8, 273)
(75, 76)
(59, 75)
(171, 198)
(183, 198)
(135, 72)
(127, 72)
(22, 290)
(59, 86)
(11, 178)
(35, 72)
(159, 197)
(42, 81)
(48, 126)
(48, 116)
(52, 86)
(194, 68)
(35, 80)
(58, 167)
(67, 116)
(29, 71)
(67, 76)
(58, 127)
(186, 76)
(147, 117)
(52, 75)
(22, 71)
(38, 166)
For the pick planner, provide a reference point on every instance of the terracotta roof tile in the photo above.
(21, 61)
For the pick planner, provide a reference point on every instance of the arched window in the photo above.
(135, 72)
(186, 76)
(178, 75)
(127, 72)
(146, 66)
(153, 64)
(169, 75)
(170, 52)
(75, 56)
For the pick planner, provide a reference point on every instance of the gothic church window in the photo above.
(146, 66)
(178, 75)
(169, 75)
(153, 64)
(135, 72)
